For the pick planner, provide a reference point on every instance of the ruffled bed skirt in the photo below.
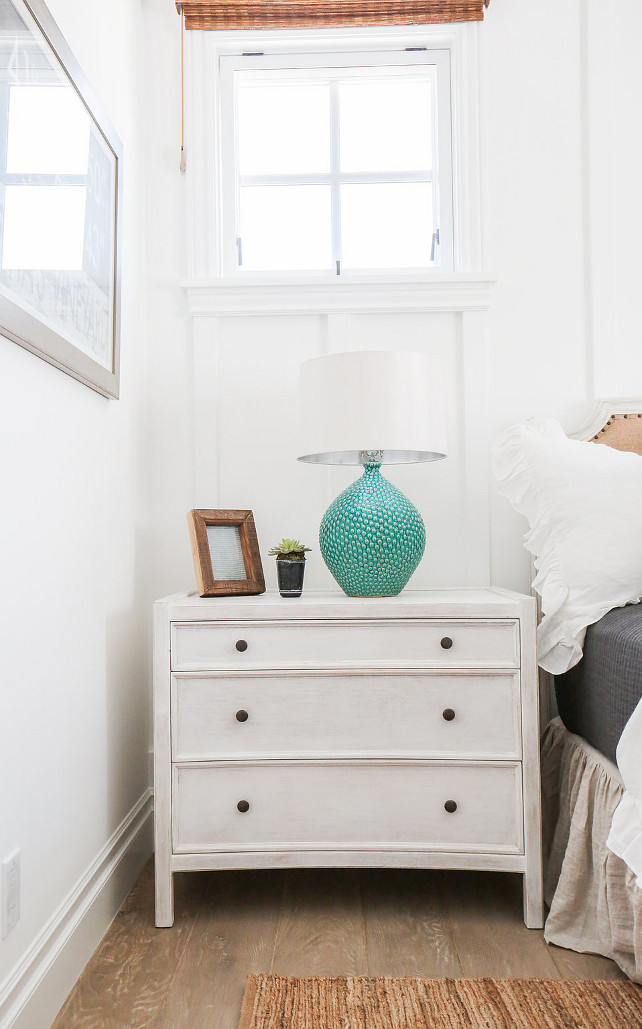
(595, 905)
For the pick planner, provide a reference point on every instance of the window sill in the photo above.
(377, 294)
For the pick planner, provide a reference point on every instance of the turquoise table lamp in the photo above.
(371, 408)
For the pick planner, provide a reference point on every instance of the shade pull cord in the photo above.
(182, 15)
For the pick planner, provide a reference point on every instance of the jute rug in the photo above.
(275, 1002)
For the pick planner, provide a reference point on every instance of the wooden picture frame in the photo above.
(237, 571)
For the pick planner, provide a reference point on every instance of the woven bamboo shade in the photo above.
(293, 14)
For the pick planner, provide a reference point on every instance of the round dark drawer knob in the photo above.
(448, 714)
(243, 806)
(242, 716)
(451, 806)
(241, 645)
(446, 643)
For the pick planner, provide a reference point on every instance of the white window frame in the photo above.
(411, 62)
(208, 290)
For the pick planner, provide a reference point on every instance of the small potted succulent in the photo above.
(290, 566)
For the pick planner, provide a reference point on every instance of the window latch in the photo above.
(435, 244)
(338, 264)
(239, 251)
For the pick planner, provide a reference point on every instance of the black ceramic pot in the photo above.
(290, 576)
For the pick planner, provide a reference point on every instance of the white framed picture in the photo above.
(60, 185)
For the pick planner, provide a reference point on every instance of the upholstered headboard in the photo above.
(615, 423)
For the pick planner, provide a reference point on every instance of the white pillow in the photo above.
(583, 502)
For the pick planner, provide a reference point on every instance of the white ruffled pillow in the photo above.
(583, 502)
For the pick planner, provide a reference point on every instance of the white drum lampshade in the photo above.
(371, 408)
(390, 401)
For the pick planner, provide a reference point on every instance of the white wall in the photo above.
(74, 723)
(562, 327)
(562, 94)
(171, 461)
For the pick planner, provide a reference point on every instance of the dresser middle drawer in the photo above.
(472, 715)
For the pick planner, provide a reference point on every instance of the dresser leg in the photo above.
(164, 898)
(533, 898)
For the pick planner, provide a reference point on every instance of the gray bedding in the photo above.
(597, 697)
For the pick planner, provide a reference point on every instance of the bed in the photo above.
(595, 902)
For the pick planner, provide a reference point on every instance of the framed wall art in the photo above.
(225, 548)
(60, 189)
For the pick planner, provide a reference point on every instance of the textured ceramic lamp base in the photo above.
(371, 537)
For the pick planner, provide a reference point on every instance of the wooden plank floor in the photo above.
(305, 922)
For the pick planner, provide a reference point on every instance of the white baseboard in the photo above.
(36, 989)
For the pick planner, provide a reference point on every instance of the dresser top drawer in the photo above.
(403, 643)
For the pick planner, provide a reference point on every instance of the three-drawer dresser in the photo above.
(337, 731)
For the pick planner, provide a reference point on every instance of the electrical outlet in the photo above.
(10, 892)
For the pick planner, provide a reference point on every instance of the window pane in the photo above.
(44, 227)
(284, 129)
(386, 225)
(285, 227)
(386, 126)
(48, 131)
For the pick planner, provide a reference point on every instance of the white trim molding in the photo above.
(443, 293)
(34, 991)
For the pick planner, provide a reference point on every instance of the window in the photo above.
(336, 163)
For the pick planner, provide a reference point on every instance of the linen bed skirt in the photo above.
(595, 905)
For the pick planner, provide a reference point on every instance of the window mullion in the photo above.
(43, 179)
(382, 176)
(335, 171)
(301, 179)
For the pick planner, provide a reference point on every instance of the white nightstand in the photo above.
(335, 731)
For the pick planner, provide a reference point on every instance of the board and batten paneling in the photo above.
(245, 429)
(559, 220)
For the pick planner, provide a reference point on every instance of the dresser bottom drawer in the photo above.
(316, 805)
